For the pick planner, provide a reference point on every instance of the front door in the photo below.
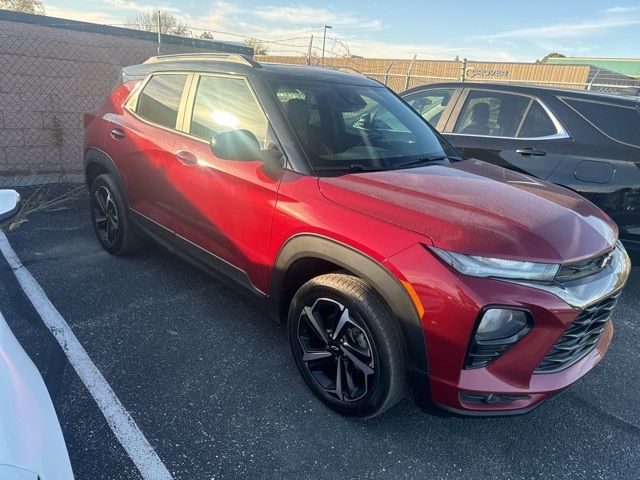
(224, 208)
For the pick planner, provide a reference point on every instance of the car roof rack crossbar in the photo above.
(219, 57)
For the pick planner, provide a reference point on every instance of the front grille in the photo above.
(573, 271)
(580, 338)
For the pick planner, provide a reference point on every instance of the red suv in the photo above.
(395, 263)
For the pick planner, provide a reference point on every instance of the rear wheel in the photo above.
(109, 217)
(347, 345)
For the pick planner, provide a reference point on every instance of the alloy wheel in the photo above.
(336, 350)
(105, 216)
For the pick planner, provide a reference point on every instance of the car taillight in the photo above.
(497, 330)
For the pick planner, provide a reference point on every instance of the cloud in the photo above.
(138, 7)
(313, 16)
(617, 10)
(578, 29)
(432, 51)
(83, 15)
(287, 31)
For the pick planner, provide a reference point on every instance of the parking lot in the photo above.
(210, 382)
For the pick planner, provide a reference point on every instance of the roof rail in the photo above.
(220, 57)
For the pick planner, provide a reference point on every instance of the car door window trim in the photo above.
(191, 101)
(187, 100)
(131, 104)
(561, 132)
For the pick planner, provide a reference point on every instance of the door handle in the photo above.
(117, 134)
(186, 158)
(531, 151)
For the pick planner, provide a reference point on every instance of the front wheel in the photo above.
(347, 345)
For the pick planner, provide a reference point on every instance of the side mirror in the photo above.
(235, 145)
(242, 144)
(364, 122)
(9, 204)
(273, 159)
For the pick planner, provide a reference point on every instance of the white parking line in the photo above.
(124, 427)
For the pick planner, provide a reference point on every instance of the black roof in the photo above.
(536, 90)
(318, 74)
(241, 64)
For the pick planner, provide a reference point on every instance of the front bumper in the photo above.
(452, 303)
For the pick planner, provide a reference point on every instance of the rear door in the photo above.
(141, 139)
(510, 130)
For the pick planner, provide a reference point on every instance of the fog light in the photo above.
(498, 329)
(491, 398)
(500, 323)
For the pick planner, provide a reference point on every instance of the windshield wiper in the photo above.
(350, 167)
(421, 161)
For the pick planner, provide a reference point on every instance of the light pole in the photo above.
(324, 41)
(159, 29)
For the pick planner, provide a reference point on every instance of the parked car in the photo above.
(584, 141)
(392, 260)
(31, 446)
(9, 204)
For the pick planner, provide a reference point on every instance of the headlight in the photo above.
(497, 267)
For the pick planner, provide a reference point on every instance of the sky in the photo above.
(477, 30)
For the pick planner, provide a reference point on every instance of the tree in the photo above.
(551, 55)
(24, 6)
(206, 35)
(259, 47)
(148, 22)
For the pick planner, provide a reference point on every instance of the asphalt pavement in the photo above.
(209, 379)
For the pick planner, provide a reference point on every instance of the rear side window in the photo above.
(537, 123)
(160, 98)
(617, 122)
(224, 103)
(491, 114)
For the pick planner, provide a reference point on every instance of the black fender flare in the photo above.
(97, 156)
(380, 278)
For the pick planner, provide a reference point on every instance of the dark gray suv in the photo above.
(584, 141)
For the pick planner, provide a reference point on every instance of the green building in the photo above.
(624, 66)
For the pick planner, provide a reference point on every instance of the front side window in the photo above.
(431, 103)
(616, 121)
(226, 103)
(355, 127)
(160, 99)
(491, 114)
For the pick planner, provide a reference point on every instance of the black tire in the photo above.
(368, 339)
(109, 217)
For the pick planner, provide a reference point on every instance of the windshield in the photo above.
(356, 127)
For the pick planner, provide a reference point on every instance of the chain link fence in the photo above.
(49, 78)
(402, 74)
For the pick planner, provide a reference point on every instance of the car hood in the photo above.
(480, 209)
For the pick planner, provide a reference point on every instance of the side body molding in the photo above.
(386, 284)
